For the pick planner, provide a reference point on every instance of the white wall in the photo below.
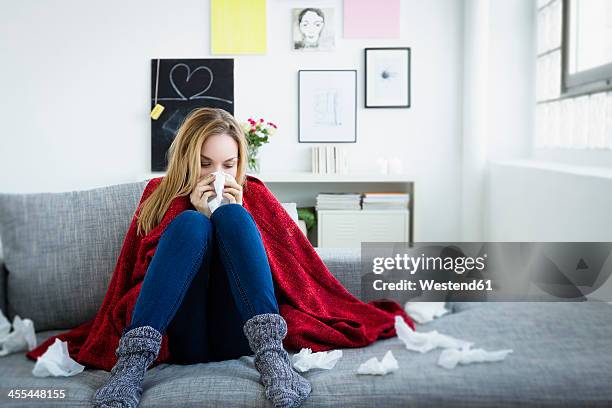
(498, 99)
(511, 91)
(76, 79)
(475, 116)
(534, 203)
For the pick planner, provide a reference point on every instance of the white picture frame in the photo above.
(327, 106)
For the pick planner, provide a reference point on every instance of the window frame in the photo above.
(594, 80)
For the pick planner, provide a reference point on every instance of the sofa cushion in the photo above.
(291, 209)
(345, 265)
(562, 356)
(60, 250)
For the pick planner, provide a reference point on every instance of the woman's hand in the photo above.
(200, 194)
(232, 190)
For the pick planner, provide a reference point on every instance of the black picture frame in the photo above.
(302, 138)
(369, 54)
(182, 85)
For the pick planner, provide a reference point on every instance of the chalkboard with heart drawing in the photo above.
(181, 85)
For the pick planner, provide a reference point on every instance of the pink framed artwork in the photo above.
(371, 19)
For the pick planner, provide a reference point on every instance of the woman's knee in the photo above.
(190, 225)
(231, 218)
(230, 214)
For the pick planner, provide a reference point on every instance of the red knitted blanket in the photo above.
(321, 313)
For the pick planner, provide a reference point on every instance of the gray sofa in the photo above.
(59, 257)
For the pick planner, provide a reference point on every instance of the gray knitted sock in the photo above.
(137, 349)
(283, 385)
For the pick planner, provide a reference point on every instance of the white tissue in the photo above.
(451, 357)
(457, 351)
(306, 360)
(424, 342)
(56, 362)
(218, 200)
(423, 312)
(374, 367)
(22, 338)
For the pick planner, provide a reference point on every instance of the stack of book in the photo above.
(328, 159)
(385, 201)
(338, 201)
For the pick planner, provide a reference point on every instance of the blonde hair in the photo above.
(183, 168)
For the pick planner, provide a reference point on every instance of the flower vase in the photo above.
(254, 164)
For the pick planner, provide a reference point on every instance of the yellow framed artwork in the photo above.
(238, 27)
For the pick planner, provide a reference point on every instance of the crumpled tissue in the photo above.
(22, 337)
(56, 362)
(423, 312)
(388, 364)
(451, 357)
(424, 342)
(218, 200)
(456, 351)
(306, 360)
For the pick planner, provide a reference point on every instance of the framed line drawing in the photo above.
(327, 106)
(387, 77)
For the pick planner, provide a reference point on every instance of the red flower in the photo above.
(273, 125)
(261, 120)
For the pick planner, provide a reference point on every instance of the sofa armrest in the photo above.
(3, 287)
(345, 265)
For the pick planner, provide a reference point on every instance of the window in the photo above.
(573, 74)
(587, 46)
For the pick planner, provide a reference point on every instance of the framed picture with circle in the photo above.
(387, 77)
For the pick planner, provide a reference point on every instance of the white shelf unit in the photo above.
(349, 228)
(373, 225)
(303, 187)
(307, 177)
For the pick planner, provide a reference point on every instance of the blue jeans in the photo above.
(208, 276)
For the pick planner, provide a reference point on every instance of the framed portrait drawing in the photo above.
(387, 77)
(313, 29)
(327, 106)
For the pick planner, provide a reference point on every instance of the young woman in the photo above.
(209, 284)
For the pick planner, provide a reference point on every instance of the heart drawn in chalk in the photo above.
(186, 80)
